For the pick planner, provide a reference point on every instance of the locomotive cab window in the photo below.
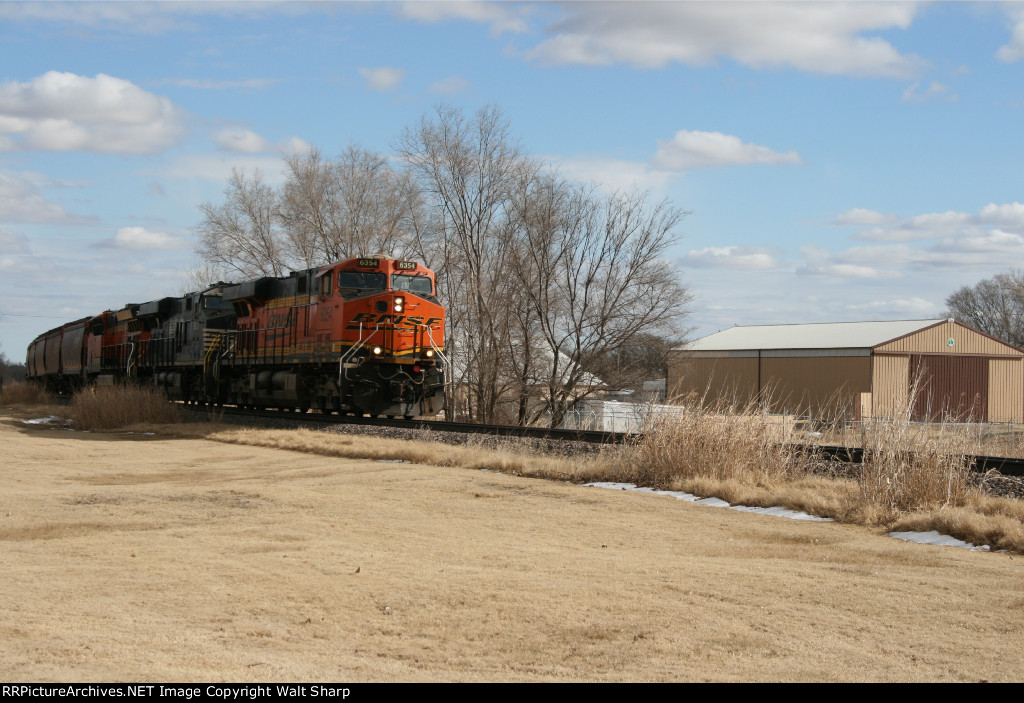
(421, 285)
(353, 284)
(215, 303)
(325, 283)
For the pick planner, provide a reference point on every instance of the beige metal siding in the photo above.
(889, 385)
(934, 340)
(822, 386)
(711, 379)
(1006, 390)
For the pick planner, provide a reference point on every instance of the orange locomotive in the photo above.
(364, 335)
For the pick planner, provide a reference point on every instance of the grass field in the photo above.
(137, 557)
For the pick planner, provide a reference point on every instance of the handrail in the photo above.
(437, 350)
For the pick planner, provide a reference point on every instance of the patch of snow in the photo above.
(934, 537)
(712, 501)
(40, 420)
(393, 461)
(782, 512)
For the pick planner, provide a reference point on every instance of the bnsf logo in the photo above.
(281, 319)
(370, 319)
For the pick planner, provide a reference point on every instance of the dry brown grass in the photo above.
(720, 444)
(115, 407)
(23, 394)
(749, 458)
(739, 455)
(170, 559)
(906, 469)
(507, 461)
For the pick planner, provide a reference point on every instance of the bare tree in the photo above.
(242, 235)
(358, 204)
(202, 275)
(467, 167)
(994, 305)
(595, 273)
(544, 280)
(307, 207)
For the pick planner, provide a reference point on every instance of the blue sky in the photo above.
(840, 161)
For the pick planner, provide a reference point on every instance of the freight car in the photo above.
(364, 335)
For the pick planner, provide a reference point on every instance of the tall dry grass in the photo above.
(22, 393)
(913, 476)
(909, 467)
(722, 443)
(506, 459)
(115, 407)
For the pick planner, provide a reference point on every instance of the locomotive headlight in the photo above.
(399, 303)
(430, 353)
(377, 351)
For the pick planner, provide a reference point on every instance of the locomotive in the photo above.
(365, 335)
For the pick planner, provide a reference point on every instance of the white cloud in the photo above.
(936, 225)
(217, 167)
(824, 38)
(980, 241)
(687, 150)
(910, 308)
(861, 216)
(244, 141)
(21, 201)
(834, 270)
(501, 17)
(66, 112)
(141, 239)
(613, 174)
(735, 257)
(382, 79)
(933, 242)
(935, 91)
(12, 242)
(1014, 51)
(293, 145)
(1010, 215)
(449, 86)
(704, 149)
(240, 140)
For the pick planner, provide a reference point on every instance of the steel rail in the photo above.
(591, 436)
(978, 463)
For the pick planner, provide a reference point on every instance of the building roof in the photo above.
(826, 335)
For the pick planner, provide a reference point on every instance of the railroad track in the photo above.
(591, 436)
(980, 463)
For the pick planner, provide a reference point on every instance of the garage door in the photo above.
(950, 387)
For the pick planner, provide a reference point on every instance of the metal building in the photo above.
(856, 370)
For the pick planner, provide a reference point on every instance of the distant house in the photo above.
(856, 370)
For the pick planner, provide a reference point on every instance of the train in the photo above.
(362, 336)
